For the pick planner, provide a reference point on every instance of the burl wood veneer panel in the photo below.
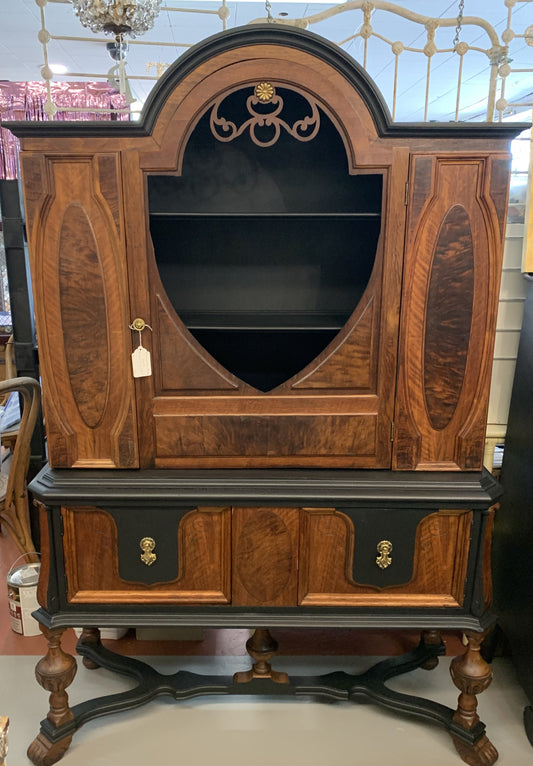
(92, 563)
(265, 556)
(292, 440)
(449, 317)
(351, 360)
(449, 306)
(77, 255)
(439, 563)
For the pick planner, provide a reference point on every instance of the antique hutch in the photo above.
(265, 320)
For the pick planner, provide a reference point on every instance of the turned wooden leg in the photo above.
(431, 638)
(54, 672)
(261, 647)
(90, 637)
(472, 675)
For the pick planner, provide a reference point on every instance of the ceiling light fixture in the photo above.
(117, 17)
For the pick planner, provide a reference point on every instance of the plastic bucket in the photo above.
(22, 596)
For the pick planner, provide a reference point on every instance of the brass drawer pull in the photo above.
(384, 549)
(147, 546)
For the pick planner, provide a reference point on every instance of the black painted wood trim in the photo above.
(293, 487)
(298, 617)
(267, 34)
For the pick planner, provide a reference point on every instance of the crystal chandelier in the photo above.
(117, 17)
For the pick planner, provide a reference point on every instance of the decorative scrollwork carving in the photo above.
(265, 95)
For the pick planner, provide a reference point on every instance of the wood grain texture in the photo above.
(437, 425)
(82, 315)
(439, 571)
(472, 675)
(350, 361)
(290, 437)
(265, 556)
(182, 364)
(92, 567)
(420, 188)
(499, 188)
(487, 559)
(44, 573)
(54, 672)
(448, 317)
(108, 180)
(136, 237)
(32, 171)
(82, 306)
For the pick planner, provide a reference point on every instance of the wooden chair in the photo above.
(11, 368)
(8, 437)
(14, 513)
(7, 362)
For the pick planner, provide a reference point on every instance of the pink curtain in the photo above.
(25, 101)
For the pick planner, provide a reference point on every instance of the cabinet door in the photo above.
(77, 251)
(265, 556)
(343, 561)
(273, 274)
(449, 303)
(148, 556)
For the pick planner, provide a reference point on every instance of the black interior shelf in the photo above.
(169, 216)
(263, 321)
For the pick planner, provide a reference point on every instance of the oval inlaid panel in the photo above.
(84, 329)
(264, 553)
(448, 317)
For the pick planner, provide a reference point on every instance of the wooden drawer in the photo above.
(426, 566)
(186, 559)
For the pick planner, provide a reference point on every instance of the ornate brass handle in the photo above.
(147, 546)
(384, 549)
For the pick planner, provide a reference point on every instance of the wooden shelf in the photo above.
(268, 321)
(266, 216)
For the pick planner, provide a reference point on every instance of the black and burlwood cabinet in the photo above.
(265, 322)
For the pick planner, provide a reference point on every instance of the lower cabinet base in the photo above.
(56, 671)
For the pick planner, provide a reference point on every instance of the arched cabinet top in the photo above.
(241, 45)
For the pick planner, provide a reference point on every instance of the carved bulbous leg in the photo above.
(261, 647)
(431, 638)
(472, 675)
(90, 637)
(54, 672)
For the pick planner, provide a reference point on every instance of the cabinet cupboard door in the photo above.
(451, 284)
(128, 556)
(77, 251)
(265, 556)
(342, 561)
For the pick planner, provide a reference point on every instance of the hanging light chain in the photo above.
(459, 22)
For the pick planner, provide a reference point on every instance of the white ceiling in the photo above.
(21, 53)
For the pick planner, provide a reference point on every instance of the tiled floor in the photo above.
(250, 730)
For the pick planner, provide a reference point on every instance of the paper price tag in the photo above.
(141, 363)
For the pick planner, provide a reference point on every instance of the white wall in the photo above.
(510, 311)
